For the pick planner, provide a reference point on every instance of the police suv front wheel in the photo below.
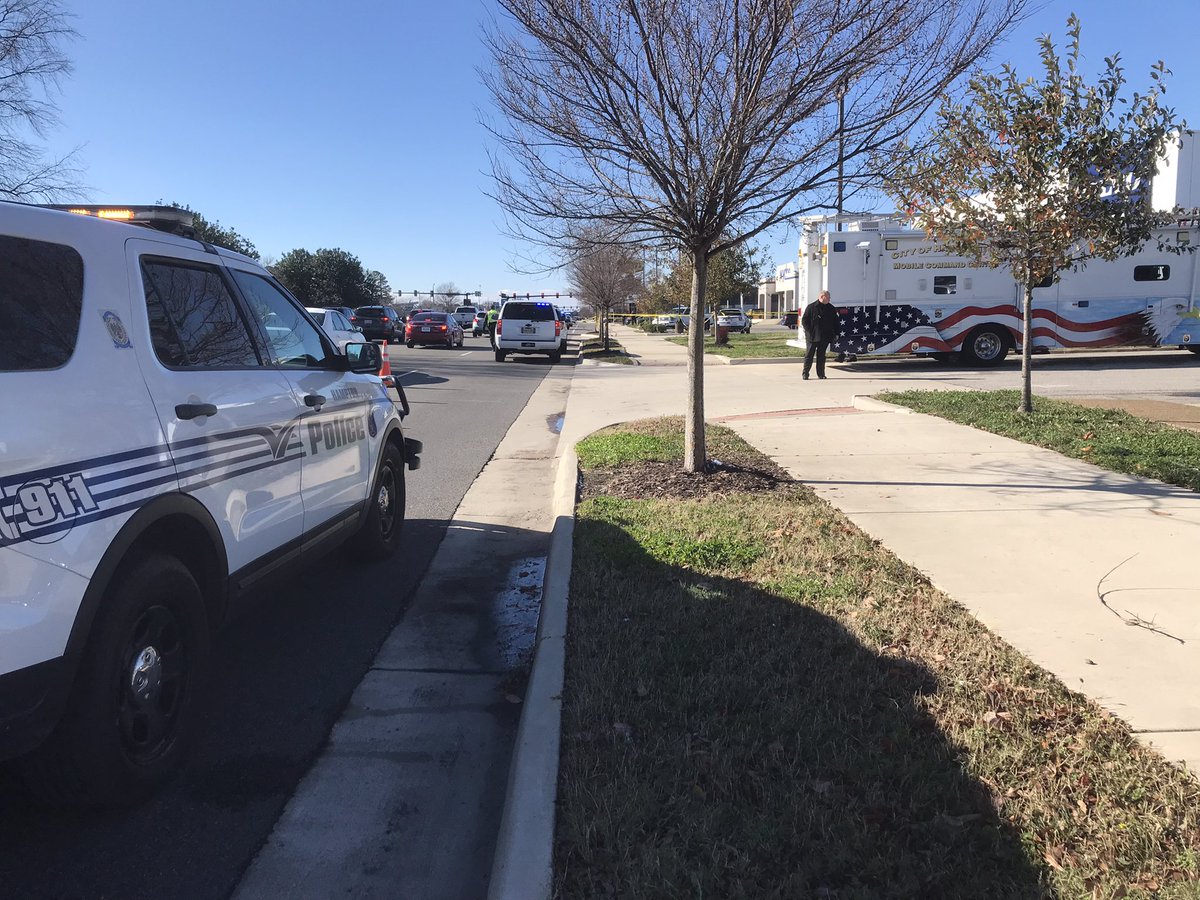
(133, 710)
(379, 535)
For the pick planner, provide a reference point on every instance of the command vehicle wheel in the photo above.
(500, 356)
(133, 710)
(986, 346)
(379, 535)
(1194, 349)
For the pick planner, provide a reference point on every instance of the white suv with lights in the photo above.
(530, 326)
(176, 430)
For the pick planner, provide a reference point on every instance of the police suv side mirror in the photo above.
(363, 359)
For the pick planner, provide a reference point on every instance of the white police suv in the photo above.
(530, 326)
(174, 429)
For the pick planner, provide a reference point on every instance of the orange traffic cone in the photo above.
(385, 370)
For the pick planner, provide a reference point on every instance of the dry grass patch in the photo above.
(762, 702)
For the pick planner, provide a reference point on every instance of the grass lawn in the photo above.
(594, 349)
(1109, 438)
(760, 701)
(761, 344)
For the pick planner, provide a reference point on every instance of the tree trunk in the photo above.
(604, 329)
(694, 452)
(1027, 353)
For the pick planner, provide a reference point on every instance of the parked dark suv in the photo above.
(379, 323)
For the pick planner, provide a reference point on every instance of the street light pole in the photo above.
(842, 88)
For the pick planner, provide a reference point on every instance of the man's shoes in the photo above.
(822, 377)
(804, 375)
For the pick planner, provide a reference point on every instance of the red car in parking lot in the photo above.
(437, 328)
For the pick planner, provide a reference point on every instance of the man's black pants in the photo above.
(816, 349)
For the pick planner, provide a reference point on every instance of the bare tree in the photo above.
(31, 63)
(446, 296)
(605, 277)
(701, 123)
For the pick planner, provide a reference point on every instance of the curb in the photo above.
(869, 403)
(758, 360)
(523, 865)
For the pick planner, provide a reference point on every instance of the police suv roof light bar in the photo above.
(170, 219)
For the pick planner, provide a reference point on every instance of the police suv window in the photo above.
(194, 320)
(41, 296)
(293, 341)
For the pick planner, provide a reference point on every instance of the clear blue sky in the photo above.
(354, 125)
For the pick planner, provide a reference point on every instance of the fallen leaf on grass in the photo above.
(995, 719)
(1053, 857)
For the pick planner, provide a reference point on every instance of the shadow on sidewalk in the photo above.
(721, 740)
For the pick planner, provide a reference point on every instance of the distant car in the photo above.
(684, 314)
(465, 316)
(337, 326)
(790, 319)
(665, 322)
(379, 323)
(479, 323)
(734, 319)
(433, 328)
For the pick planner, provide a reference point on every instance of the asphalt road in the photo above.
(283, 671)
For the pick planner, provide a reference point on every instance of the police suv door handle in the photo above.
(195, 410)
(314, 400)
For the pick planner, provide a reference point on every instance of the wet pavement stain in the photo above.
(516, 610)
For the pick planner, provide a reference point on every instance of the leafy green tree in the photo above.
(326, 278)
(296, 269)
(1041, 176)
(377, 288)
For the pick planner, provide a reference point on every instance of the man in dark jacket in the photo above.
(821, 328)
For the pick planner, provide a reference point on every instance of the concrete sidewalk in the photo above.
(1031, 542)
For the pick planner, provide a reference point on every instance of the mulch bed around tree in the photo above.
(668, 481)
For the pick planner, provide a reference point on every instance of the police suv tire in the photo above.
(113, 747)
(556, 356)
(379, 535)
(500, 354)
(986, 346)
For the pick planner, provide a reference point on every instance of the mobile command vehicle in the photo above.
(899, 292)
(176, 429)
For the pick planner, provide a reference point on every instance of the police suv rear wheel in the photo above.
(380, 533)
(133, 710)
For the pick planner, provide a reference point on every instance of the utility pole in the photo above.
(842, 88)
